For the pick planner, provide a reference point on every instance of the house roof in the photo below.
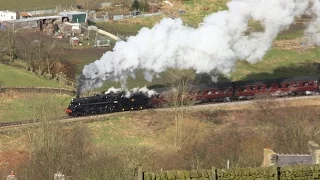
(290, 159)
(71, 13)
(25, 14)
(33, 19)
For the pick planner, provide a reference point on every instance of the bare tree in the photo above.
(8, 43)
(179, 97)
(41, 52)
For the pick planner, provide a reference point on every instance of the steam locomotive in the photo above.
(201, 93)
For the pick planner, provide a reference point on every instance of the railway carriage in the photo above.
(303, 85)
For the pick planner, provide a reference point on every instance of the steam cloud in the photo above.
(129, 93)
(218, 44)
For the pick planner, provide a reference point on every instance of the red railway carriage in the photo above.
(196, 93)
(303, 85)
(212, 92)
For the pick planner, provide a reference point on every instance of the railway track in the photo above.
(97, 117)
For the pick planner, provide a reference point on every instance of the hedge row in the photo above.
(179, 175)
(297, 172)
(300, 172)
(247, 173)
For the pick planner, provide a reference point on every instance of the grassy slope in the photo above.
(17, 106)
(10, 76)
(33, 4)
(280, 63)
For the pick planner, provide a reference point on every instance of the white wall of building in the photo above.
(7, 15)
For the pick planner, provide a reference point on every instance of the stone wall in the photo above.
(263, 173)
(37, 90)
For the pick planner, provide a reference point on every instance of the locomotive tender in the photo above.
(218, 92)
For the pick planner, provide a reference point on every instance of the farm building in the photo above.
(7, 16)
(24, 15)
(30, 23)
(74, 16)
(70, 28)
(74, 41)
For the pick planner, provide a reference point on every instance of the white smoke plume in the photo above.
(129, 93)
(217, 44)
(313, 31)
(113, 90)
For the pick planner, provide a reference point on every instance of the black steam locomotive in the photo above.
(217, 92)
(107, 103)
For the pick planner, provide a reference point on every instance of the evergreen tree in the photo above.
(135, 5)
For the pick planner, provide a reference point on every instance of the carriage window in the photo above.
(269, 86)
(274, 86)
(260, 87)
(305, 84)
(241, 89)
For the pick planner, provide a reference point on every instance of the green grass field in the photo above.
(17, 106)
(280, 63)
(27, 5)
(10, 76)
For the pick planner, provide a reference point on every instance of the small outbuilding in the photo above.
(74, 16)
(74, 41)
(7, 16)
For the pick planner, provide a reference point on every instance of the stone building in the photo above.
(272, 158)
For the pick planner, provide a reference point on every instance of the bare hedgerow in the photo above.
(69, 150)
(288, 129)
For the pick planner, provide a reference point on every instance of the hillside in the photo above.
(204, 137)
(19, 5)
(10, 76)
(287, 57)
(290, 54)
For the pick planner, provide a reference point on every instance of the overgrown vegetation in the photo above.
(53, 147)
(206, 138)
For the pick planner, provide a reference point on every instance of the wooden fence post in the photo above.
(140, 173)
(277, 172)
(214, 173)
